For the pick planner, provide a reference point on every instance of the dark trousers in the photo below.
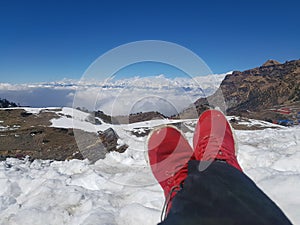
(221, 194)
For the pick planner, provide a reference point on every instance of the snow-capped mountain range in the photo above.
(116, 97)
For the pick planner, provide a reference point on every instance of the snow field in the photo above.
(271, 158)
(121, 189)
(75, 192)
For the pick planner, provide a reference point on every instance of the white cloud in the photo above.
(116, 97)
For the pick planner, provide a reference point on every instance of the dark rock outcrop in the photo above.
(137, 117)
(4, 103)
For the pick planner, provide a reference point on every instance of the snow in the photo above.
(121, 189)
(115, 97)
(37, 110)
(5, 128)
(253, 122)
(73, 118)
(271, 158)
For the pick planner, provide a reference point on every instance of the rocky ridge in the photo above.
(260, 92)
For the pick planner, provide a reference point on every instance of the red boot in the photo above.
(169, 153)
(214, 140)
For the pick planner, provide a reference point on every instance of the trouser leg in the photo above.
(221, 194)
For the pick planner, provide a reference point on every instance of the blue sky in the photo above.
(52, 40)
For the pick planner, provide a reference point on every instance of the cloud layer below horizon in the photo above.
(120, 97)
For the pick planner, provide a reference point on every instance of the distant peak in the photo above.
(271, 62)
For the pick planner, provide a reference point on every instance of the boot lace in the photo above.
(168, 200)
(219, 151)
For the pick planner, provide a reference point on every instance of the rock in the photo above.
(271, 63)
(95, 146)
(109, 138)
(254, 93)
(122, 148)
(141, 131)
(137, 117)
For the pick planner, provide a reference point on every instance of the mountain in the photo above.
(261, 92)
(127, 95)
(4, 103)
(271, 62)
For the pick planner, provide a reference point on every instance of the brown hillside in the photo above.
(255, 92)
